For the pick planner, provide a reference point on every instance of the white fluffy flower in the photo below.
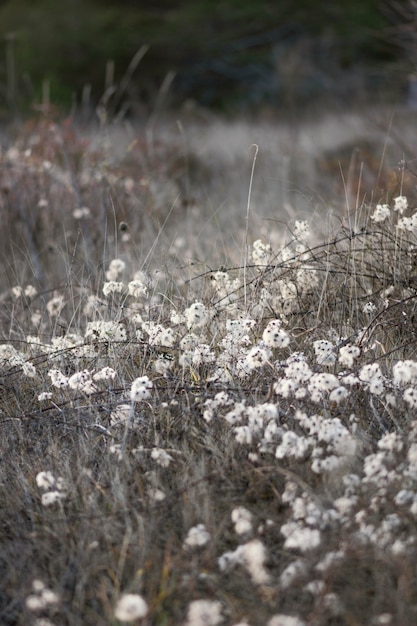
(242, 519)
(381, 213)
(204, 613)
(45, 480)
(136, 288)
(116, 267)
(112, 286)
(130, 607)
(141, 389)
(348, 354)
(324, 352)
(196, 315)
(410, 397)
(299, 537)
(197, 536)
(274, 336)
(400, 204)
(51, 497)
(257, 357)
(261, 252)
(161, 457)
(57, 378)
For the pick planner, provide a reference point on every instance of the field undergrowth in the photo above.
(208, 380)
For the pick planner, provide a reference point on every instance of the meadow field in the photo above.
(208, 383)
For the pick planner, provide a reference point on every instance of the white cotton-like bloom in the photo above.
(242, 519)
(301, 230)
(274, 336)
(45, 395)
(261, 252)
(252, 556)
(136, 289)
(408, 223)
(155, 494)
(391, 442)
(42, 597)
(106, 331)
(257, 357)
(292, 446)
(177, 318)
(324, 351)
(189, 342)
(204, 613)
(323, 381)
(369, 308)
(369, 372)
(405, 372)
(203, 355)
(105, 373)
(161, 457)
(79, 379)
(410, 397)
(299, 537)
(116, 267)
(348, 354)
(52, 497)
(197, 536)
(298, 370)
(285, 620)
(28, 369)
(159, 335)
(130, 607)
(55, 306)
(45, 480)
(236, 414)
(141, 389)
(381, 213)
(111, 287)
(400, 204)
(243, 434)
(17, 292)
(196, 315)
(81, 212)
(338, 394)
(57, 378)
(30, 291)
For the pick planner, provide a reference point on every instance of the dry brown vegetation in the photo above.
(271, 344)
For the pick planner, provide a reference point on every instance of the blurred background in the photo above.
(131, 56)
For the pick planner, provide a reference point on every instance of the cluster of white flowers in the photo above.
(196, 316)
(198, 536)
(158, 335)
(10, 357)
(227, 289)
(130, 607)
(383, 211)
(141, 389)
(261, 252)
(252, 556)
(116, 267)
(106, 331)
(55, 489)
(204, 613)
(274, 336)
(41, 597)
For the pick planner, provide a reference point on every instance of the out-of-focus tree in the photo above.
(222, 51)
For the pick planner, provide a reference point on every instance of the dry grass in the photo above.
(324, 461)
